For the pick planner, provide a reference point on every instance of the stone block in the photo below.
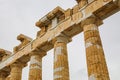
(77, 16)
(68, 13)
(75, 9)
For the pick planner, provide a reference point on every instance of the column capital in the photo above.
(16, 70)
(18, 64)
(92, 20)
(62, 38)
(4, 54)
(38, 52)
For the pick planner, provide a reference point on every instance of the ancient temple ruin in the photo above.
(56, 30)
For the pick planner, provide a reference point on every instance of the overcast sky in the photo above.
(19, 16)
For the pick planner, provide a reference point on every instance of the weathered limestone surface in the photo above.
(97, 68)
(8, 77)
(70, 26)
(9, 59)
(16, 70)
(24, 41)
(61, 68)
(4, 54)
(35, 72)
(2, 75)
(69, 23)
(100, 8)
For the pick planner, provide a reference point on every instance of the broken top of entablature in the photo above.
(82, 3)
(50, 20)
(24, 41)
(47, 19)
(4, 54)
(78, 1)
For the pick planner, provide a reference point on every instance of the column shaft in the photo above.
(35, 72)
(16, 71)
(61, 69)
(96, 63)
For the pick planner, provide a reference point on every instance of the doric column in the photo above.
(16, 70)
(2, 75)
(96, 63)
(61, 69)
(35, 72)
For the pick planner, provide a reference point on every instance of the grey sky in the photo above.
(19, 16)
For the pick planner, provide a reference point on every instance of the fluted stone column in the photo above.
(2, 75)
(16, 70)
(35, 72)
(61, 69)
(96, 63)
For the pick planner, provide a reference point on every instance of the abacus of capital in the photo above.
(57, 29)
